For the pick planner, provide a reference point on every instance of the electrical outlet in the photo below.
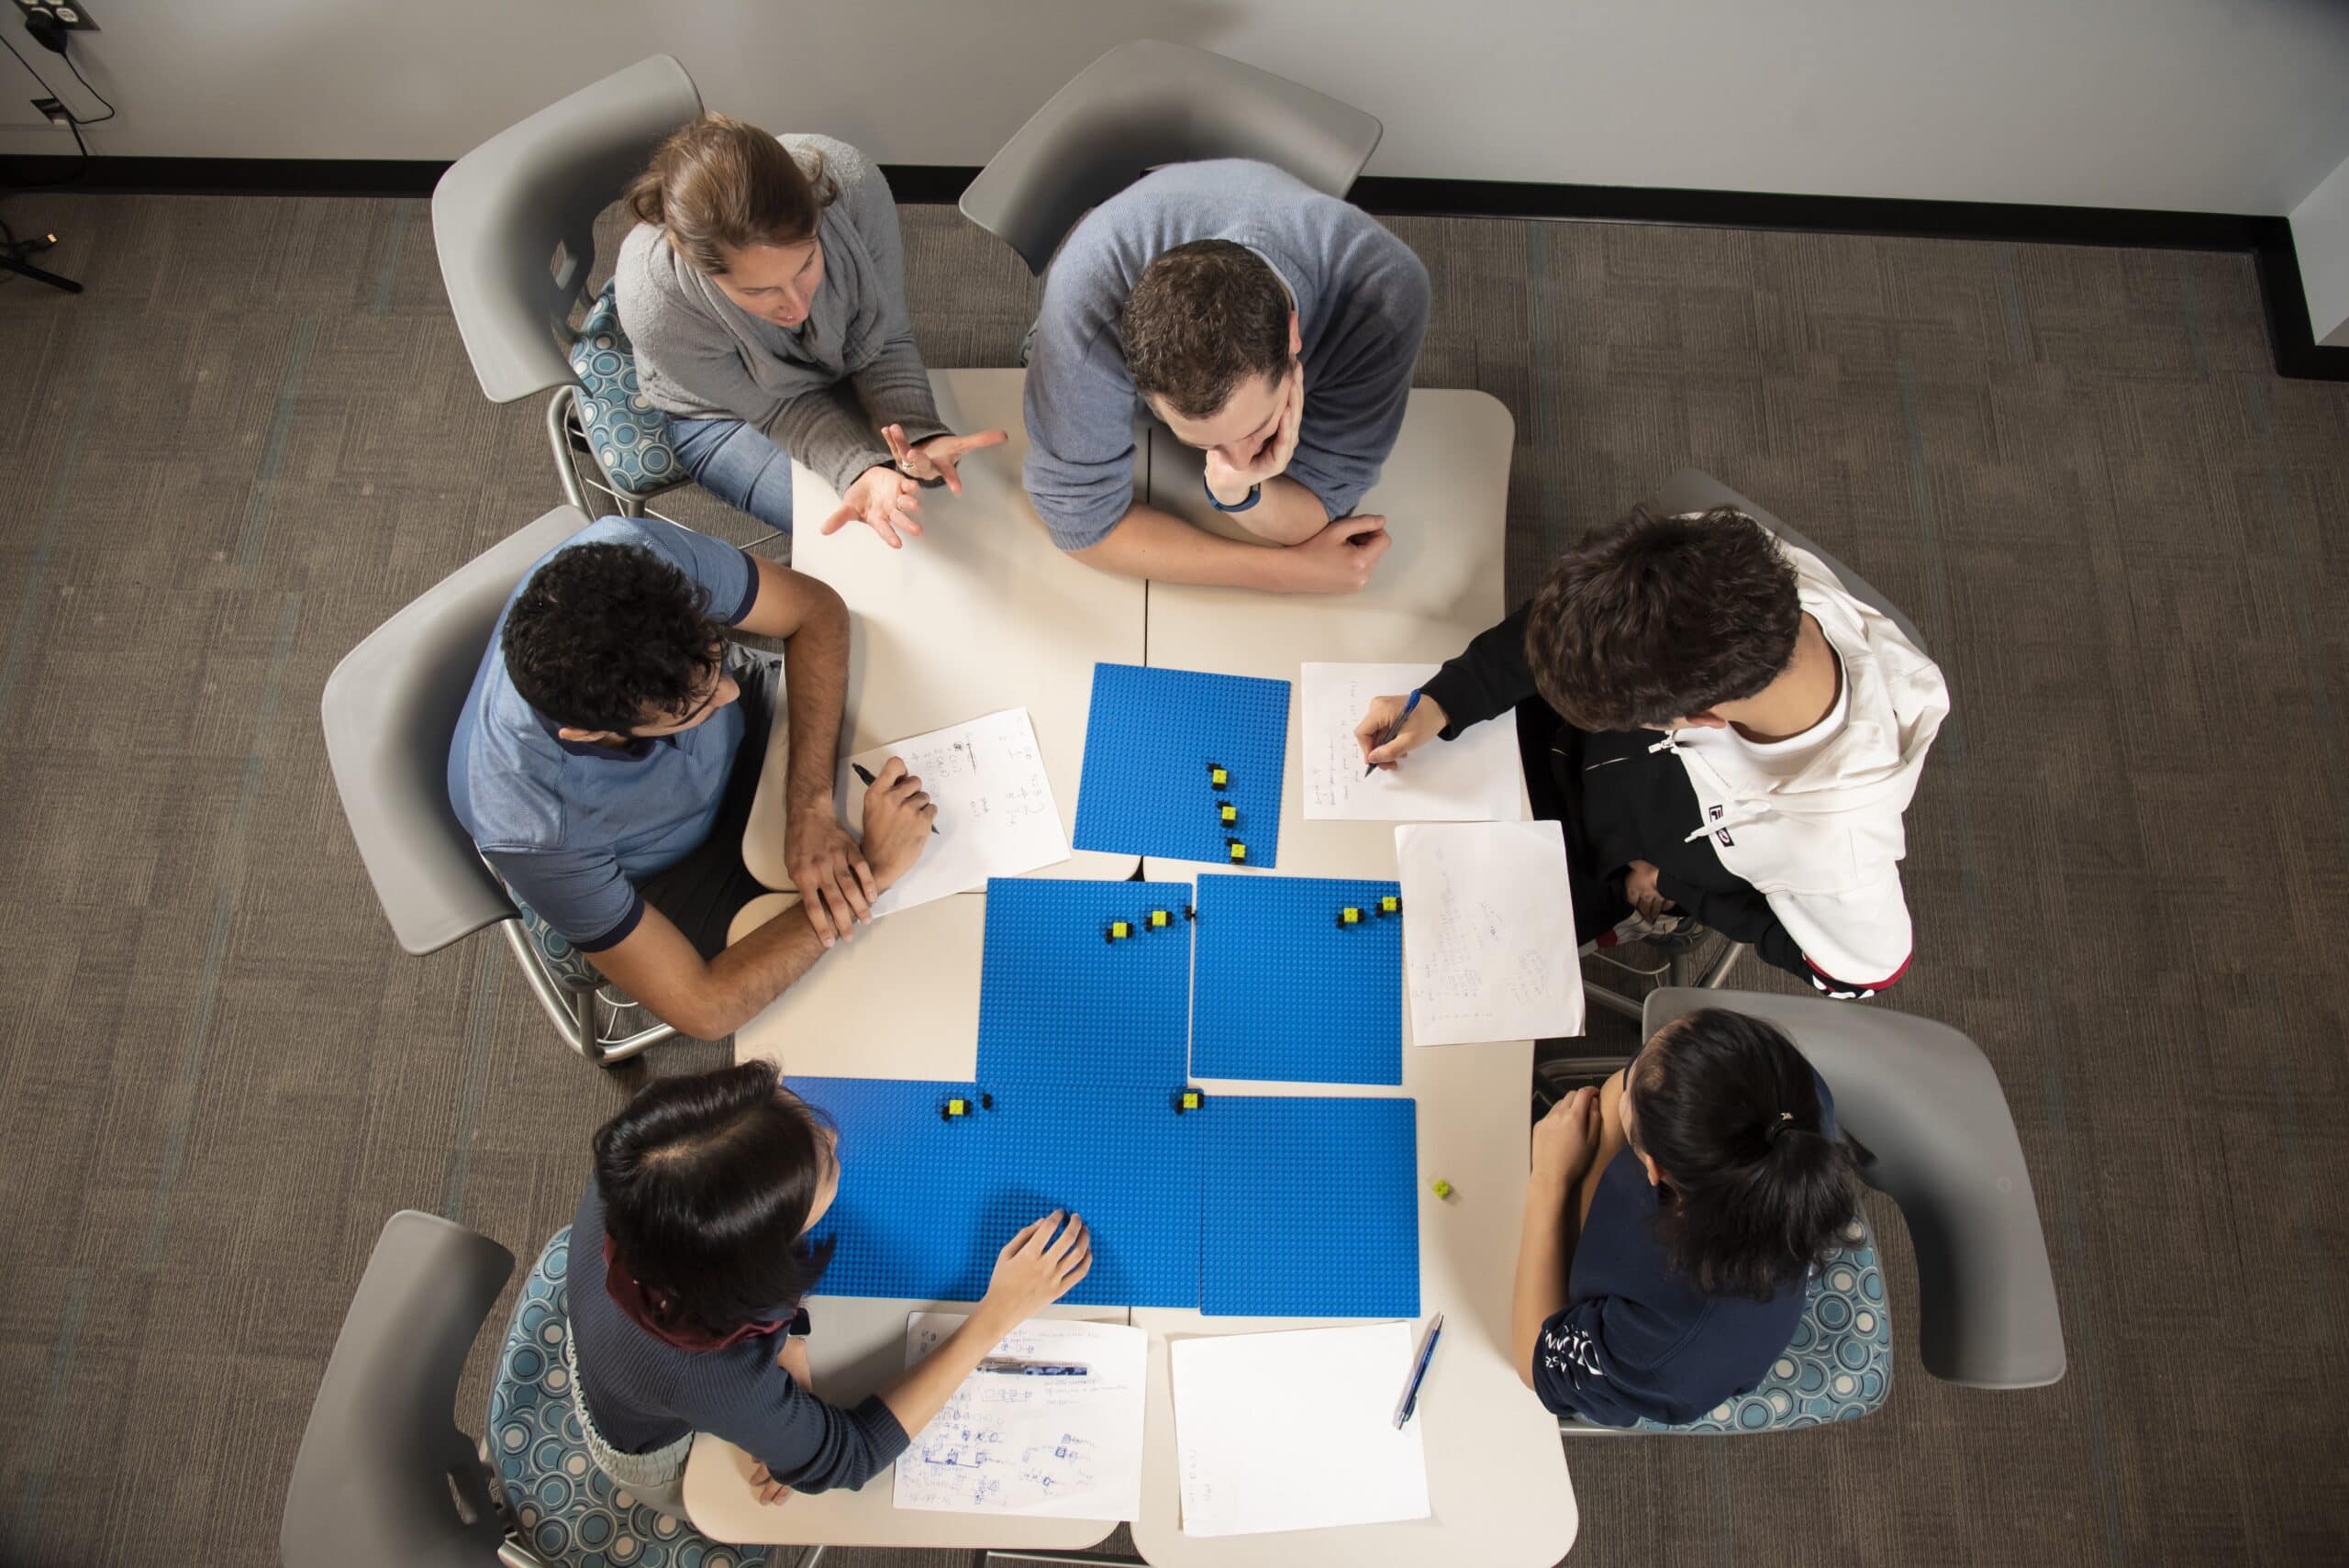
(54, 110)
(72, 13)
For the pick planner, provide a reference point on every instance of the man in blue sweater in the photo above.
(1267, 324)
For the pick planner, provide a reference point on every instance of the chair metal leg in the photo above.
(1615, 1002)
(573, 1010)
(1716, 976)
(566, 466)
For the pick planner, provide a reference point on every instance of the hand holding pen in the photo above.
(1396, 726)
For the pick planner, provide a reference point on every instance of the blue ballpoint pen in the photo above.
(1395, 728)
(1410, 1404)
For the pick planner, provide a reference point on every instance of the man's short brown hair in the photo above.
(1204, 317)
(1653, 618)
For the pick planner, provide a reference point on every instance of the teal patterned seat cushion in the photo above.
(569, 1511)
(630, 436)
(565, 963)
(1838, 1367)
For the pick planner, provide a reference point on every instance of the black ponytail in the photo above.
(1755, 1191)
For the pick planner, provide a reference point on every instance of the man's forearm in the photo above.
(1158, 545)
(1544, 1252)
(1285, 513)
(754, 971)
(815, 676)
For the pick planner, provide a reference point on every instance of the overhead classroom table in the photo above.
(982, 612)
(902, 1000)
(1444, 493)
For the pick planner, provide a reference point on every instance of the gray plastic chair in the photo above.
(1690, 490)
(389, 710)
(1148, 103)
(1924, 1105)
(385, 1479)
(514, 221)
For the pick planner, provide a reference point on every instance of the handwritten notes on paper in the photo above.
(1296, 1431)
(1488, 932)
(995, 812)
(1046, 1443)
(1472, 779)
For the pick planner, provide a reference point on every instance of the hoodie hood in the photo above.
(1816, 825)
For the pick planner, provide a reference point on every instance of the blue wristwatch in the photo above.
(1255, 493)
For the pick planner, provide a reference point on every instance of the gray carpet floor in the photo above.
(257, 436)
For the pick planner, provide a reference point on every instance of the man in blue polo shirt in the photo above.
(613, 746)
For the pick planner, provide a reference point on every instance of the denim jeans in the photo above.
(738, 465)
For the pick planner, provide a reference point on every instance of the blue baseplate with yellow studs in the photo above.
(1085, 982)
(1183, 764)
(1085, 1101)
(1299, 979)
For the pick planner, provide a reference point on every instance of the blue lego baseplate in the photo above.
(1286, 988)
(1063, 1000)
(914, 1183)
(1153, 739)
(1122, 1161)
(1310, 1207)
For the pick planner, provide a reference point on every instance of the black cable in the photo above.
(73, 123)
(71, 117)
(93, 93)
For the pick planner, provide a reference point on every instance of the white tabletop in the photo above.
(898, 999)
(902, 1001)
(1444, 493)
(980, 613)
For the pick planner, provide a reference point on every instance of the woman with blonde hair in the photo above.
(764, 290)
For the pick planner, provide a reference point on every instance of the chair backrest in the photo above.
(385, 1479)
(1690, 491)
(514, 219)
(1148, 103)
(1924, 1101)
(389, 708)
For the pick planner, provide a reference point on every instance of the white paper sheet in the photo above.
(1472, 779)
(1296, 1431)
(1488, 932)
(1054, 1447)
(995, 812)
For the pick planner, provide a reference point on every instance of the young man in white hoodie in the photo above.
(1722, 731)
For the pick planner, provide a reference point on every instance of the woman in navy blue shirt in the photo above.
(689, 1256)
(1672, 1221)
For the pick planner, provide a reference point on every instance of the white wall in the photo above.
(2220, 104)
(2320, 235)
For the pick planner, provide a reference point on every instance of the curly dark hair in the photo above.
(707, 1181)
(1204, 317)
(610, 636)
(1755, 1191)
(1652, 618)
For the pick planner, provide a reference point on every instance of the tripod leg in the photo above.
(10, 265)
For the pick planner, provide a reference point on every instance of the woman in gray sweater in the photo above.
(764, 290)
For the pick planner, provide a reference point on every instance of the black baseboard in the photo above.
(2268, 239)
